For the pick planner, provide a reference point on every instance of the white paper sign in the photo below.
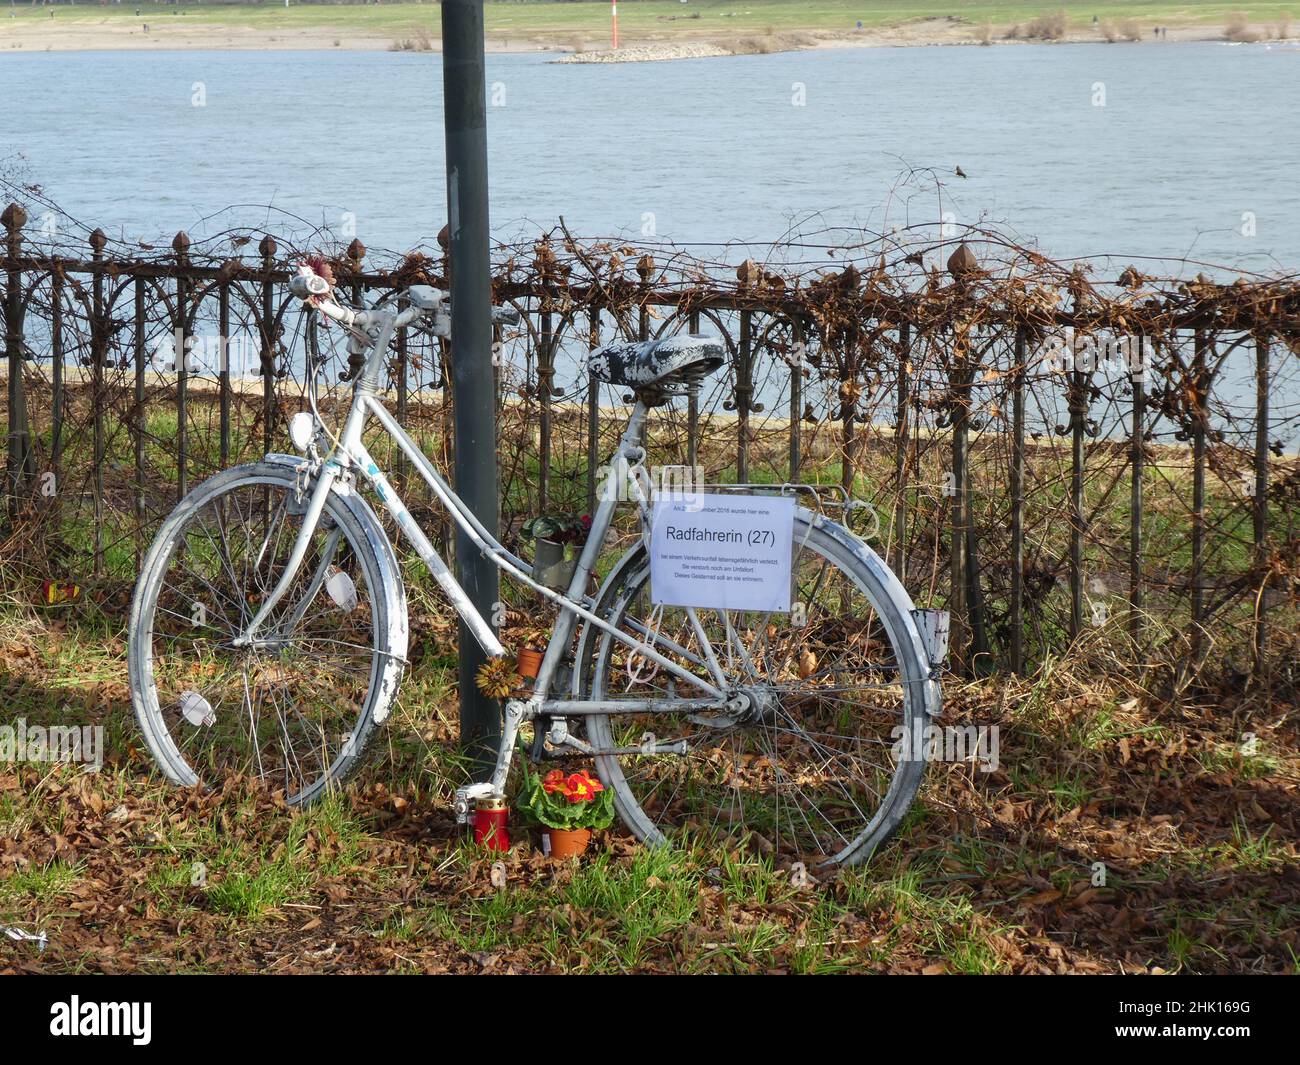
(724, 552)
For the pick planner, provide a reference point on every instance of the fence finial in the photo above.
(962, 262)
(14, 217)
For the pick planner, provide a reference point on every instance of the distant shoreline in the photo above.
(83, 31)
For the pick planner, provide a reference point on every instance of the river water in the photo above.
(1134, 150)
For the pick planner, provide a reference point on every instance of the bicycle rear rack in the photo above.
(824, 498)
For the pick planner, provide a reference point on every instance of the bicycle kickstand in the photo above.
(517, 711)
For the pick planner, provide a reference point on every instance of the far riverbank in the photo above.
(414, 28)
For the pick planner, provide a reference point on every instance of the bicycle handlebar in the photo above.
(311, 287)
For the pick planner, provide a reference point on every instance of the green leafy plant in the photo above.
(568, 529)
(565, 800)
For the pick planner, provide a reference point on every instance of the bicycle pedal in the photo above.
(465, 796)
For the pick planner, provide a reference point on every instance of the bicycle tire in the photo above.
(921, 697)
(369, 547)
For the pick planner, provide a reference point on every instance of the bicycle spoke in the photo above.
(284, 708)
(802, 758)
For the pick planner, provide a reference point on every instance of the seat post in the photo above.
(634, 433)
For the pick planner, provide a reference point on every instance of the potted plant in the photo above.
(567, 806)
(529, 662)
(559, 539)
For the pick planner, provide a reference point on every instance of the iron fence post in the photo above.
(1137, 459)
(266, 355)
(138, 422)
(1200, 416)
(98, 336)
(14, 218)
(545, 373)
(1259, 500)
(693, 408)
(181, 245)
(901, 432)
(1018, 505)
(593, 411)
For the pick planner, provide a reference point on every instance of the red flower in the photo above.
(319, 265)
(581, 788)
(576, 787)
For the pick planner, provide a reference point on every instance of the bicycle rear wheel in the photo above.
(297, 707)
(816, 769)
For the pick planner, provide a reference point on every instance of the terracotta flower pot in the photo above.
(528, 665)
(567, 842)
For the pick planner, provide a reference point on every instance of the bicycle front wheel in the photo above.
(296, 707)
(817, 767)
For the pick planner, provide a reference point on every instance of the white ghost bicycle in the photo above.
(269, 635)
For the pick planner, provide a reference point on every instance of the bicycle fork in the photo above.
(311, 519)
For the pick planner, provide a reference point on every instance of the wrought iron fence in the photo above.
(1050, 453)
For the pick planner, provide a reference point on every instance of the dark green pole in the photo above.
(473, 391)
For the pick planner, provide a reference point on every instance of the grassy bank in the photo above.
(1125, 829)
(995, 872)
(519, 26)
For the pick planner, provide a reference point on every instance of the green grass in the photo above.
(256, 882)
(350, 884)
(1246, 763)
(562, 23)
(43, 885)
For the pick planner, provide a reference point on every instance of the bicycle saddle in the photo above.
(663, 362)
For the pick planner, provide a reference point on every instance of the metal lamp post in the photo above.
(473, 387)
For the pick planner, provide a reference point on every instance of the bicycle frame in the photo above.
(350, 457)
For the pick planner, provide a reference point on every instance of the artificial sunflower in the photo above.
(497, 678)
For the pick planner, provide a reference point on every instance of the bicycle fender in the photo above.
(901, 601)
(633, 557)
(393, 587)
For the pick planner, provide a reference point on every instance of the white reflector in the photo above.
(340, 588)
(302, 427)
(196, 709)
(934, 626)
